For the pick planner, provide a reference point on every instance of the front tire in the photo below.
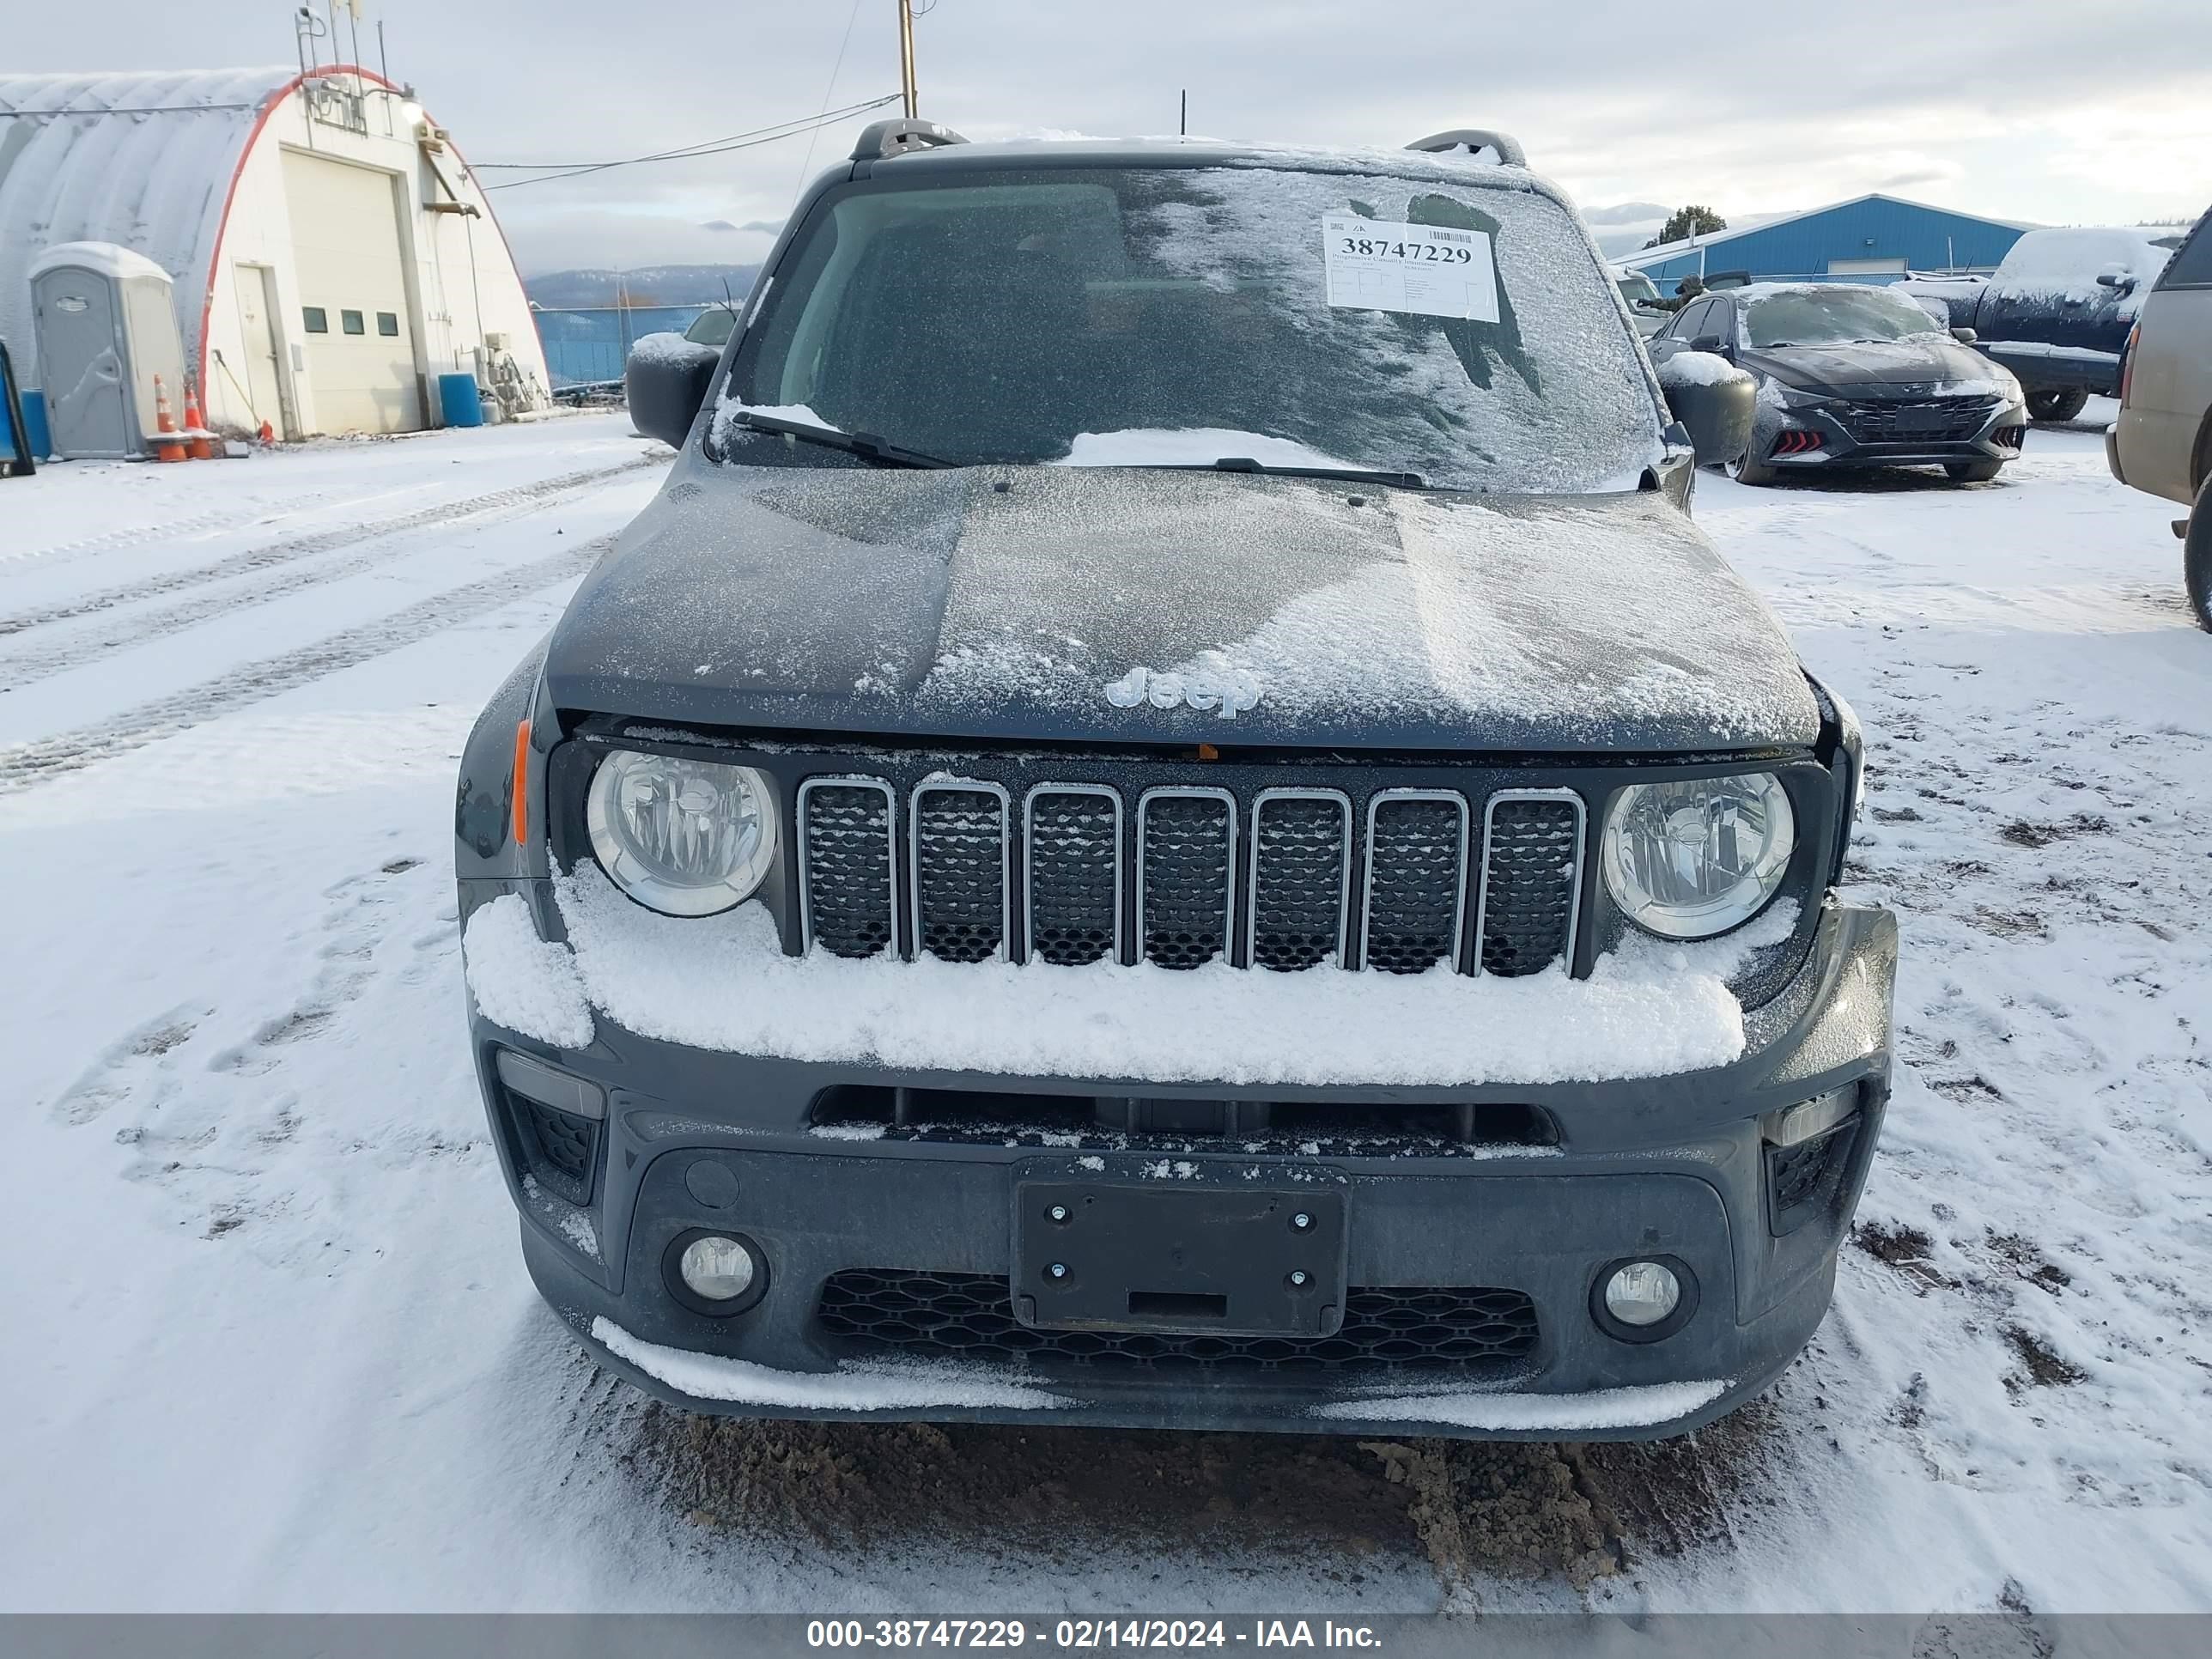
(2061, 402)
(2196, 556)
(1972, 471)
(1745, 471)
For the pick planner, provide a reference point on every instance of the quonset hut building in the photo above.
(331, 254)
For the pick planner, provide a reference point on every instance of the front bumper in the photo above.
(1841, 446)
(1672, 1167)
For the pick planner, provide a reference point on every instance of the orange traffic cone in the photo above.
(166, 447)
(197, 445)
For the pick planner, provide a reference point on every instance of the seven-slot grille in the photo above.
(1294, 878)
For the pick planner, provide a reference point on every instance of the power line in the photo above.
(828, 93)
(710, 147)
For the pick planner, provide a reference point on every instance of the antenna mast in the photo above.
(906, 59)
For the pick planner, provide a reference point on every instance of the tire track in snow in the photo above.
(82, 647)
(24, 766)
(132, 535)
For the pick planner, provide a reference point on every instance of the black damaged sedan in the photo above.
(1167, 821)
(1852, 376)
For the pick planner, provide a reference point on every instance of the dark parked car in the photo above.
(1851, 375)
(1167, 820)
(2057, 311)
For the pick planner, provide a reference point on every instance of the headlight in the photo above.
(1690, 860)
(684, 837)
(1797, 398)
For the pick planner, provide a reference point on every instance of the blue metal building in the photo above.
(1870, 239)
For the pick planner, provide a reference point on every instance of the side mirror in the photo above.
(2117, 276)
(665, 380)
(1965, 336)
(1708, 343)
(1714, 400)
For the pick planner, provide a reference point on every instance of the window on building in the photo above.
(350, 321)
(317, 320)
(387, 324)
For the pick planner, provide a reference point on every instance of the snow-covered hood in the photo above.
(1051, 603)
(1925, 360)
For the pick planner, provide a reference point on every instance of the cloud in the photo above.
(721, 224)
(2020, 122)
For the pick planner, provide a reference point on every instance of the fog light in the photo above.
(1643, 1293)
(719, 1269)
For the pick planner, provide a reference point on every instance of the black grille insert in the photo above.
(959, 871)
(1473, 1328)
(1074, 852)
(559, 1148)
(1802, 1180)
(1186, 874)
(1532, 868)
(1301, 869)
(847, 830)
(1416, 889)
(1941, 420)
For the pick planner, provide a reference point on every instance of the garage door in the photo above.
(360, 353)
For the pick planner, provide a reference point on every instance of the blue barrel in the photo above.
(34, 423)
(458, 398)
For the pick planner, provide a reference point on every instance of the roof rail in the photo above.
(900, 137)
(1510, 152)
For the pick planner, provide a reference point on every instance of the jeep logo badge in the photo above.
(1226, 691)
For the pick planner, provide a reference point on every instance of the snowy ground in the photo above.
(269, 1342)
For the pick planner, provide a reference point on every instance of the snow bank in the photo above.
(1560, 1413)
(851, 1387)
(519, 981)
(1696, 369)
(1190, 446)
(723, 983)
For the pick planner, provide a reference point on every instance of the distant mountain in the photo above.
(647, 285)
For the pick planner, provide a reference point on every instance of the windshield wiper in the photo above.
(865, 445)
(1356, 474)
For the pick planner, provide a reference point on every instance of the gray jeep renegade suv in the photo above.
(1167, 821)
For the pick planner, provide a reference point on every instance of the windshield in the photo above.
(1831, 316)
(1166, 316)
(1637, 288)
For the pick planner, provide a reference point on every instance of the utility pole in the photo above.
(906, 59)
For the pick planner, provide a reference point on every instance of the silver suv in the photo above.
(2162, 442)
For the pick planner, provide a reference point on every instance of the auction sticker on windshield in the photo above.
(1431, 271)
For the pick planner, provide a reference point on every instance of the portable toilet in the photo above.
(105, 325)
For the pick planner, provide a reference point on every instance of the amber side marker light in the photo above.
(521, 783)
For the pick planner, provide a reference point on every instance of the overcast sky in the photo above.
(2053, 111)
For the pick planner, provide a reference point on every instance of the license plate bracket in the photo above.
(1177, 1258)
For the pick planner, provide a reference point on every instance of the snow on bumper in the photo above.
(902, 1389)
(723, 984)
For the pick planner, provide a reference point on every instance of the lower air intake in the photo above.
(1474, 1329)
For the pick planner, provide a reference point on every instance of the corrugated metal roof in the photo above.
(1875, 228)
(144, 160)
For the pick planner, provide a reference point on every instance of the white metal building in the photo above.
(331, 252)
